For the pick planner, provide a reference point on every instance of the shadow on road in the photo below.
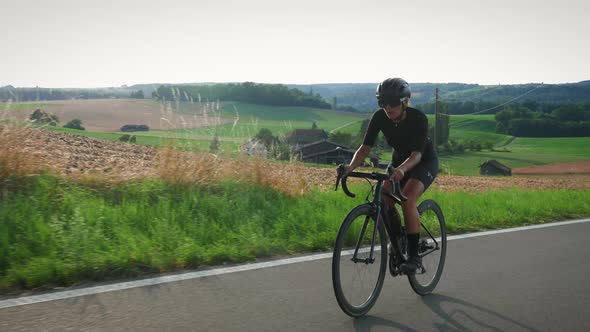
(367, 323)
(460, 315)
(455, 315)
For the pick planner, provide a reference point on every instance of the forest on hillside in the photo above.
(248, 92)
(565, 120)
(11, 94)
(361, 96)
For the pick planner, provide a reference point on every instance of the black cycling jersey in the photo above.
(411, 134)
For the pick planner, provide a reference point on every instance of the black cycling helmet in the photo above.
(393, 91)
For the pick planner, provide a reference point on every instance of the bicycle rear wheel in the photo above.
(357, 283)
(432, 248)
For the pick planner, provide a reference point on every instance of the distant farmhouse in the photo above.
(312, 146)
(494, 167)
(324, 152)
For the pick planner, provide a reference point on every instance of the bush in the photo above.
(452, 147)
(132, 127)
(44, 118)
(75, 124)
(128, 138)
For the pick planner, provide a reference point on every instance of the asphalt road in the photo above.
(533, 280)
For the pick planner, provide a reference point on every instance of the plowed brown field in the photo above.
(109, 115)
(73, 155)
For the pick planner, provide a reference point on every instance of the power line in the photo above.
(485, 92)
(498, 106)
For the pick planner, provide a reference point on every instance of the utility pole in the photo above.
(435, 118)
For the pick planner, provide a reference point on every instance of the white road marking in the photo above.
(61, 295)
(516, 229)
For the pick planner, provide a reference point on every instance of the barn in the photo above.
(494, 167)
(324, 152)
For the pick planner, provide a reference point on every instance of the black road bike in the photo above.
(360, 256)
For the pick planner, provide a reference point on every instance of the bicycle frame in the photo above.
(376, 207)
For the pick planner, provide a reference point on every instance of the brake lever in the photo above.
(341, 170)
(395, 186)
(342, 178)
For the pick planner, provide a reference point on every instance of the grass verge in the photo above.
(58, 233)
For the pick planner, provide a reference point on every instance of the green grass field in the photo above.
(519, 152)
(249, 119)
(22, 106)
(523, 152)
(553, 149)
(477, 128)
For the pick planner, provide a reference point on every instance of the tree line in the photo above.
(10, 93)
(565, 120)
(248, 92)
(541, 93)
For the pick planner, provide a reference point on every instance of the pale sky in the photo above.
(63, 43)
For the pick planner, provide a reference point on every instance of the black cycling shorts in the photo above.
(425, 172)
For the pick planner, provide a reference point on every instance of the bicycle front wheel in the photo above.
(432, 248)
(360, 260)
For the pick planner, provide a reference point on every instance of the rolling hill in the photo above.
(195, 126)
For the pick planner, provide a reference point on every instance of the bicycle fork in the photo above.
(370, 259)
(376, 212)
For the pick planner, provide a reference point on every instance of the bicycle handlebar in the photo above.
(397, 193)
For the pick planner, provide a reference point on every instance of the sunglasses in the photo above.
(383, 102)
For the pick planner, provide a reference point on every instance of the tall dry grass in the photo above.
(181, 167)
(15, 160)
(176, 165)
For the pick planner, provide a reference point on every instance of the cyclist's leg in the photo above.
(413, 189)
(416, 183)
(392, 216)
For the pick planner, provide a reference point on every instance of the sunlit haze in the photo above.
(110, 43)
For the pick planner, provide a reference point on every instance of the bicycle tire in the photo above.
(433, 234)
(342, 265)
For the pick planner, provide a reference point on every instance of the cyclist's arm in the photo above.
(407, 165)
(359, 156)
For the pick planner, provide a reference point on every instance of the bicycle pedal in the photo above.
(393, 268)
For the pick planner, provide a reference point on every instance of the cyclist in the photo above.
(414, 157)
